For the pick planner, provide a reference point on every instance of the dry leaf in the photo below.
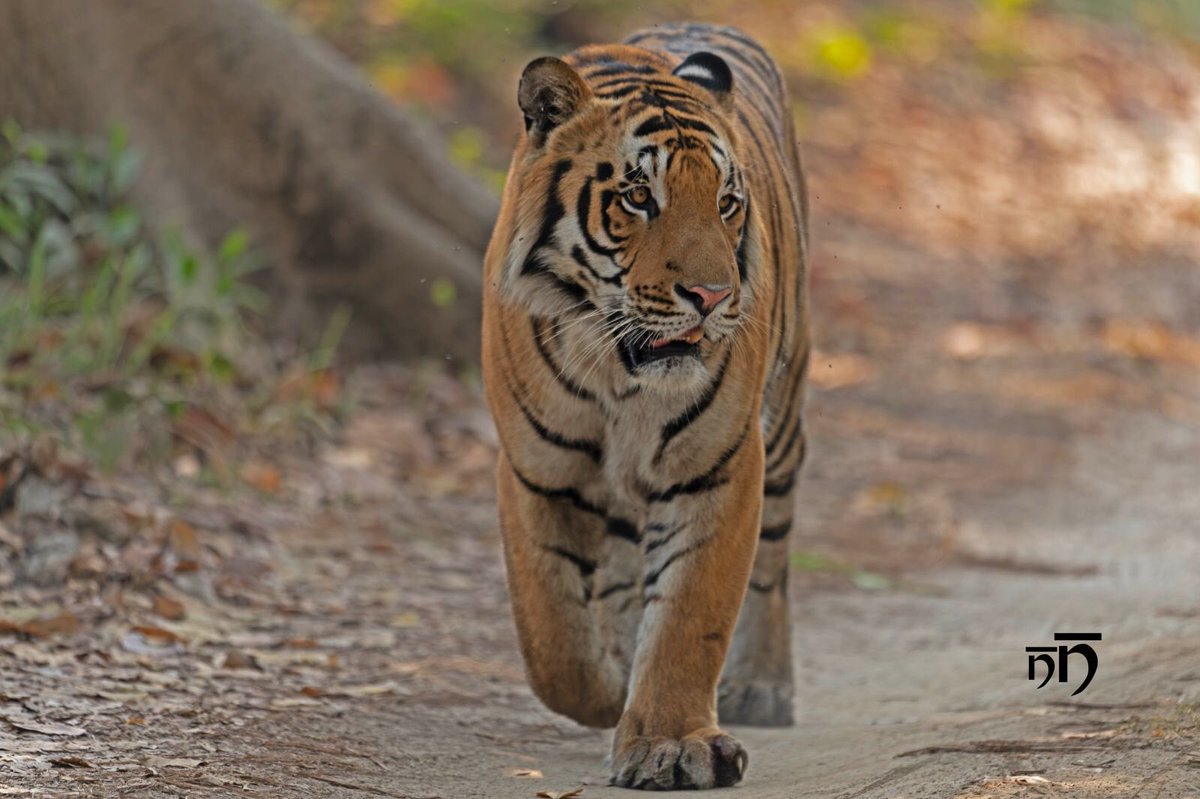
(573, 794)
(70, 761)
(45, 727)
(184, 545)
(263, 476)
(170, 609)
(236, 659)
(158, 634)
(146, 640)
(524, 773)
(62, 624)
(1151, 341)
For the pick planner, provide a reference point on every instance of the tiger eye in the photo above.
(638, 195)
(725, 203)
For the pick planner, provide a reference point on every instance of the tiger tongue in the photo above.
(691, 337)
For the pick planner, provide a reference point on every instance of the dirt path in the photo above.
(988, 468)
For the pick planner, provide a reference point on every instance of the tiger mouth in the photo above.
(639, 349)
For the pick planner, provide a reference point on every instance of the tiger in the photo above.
(645, 350)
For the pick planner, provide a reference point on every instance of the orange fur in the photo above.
(646, 481)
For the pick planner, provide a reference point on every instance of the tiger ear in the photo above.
(710, 71)
(550, 93)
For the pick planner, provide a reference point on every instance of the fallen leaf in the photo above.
(62, 624)
(1151, 341)
(146, 640)
(70, 761)
(560, 794)
(263, 476)
(301, 643)
(170, 609)
(236, 659)
(524, 773)
(45, 727)
(184, 545)
(157, 633)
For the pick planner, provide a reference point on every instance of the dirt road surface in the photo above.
(989, 465)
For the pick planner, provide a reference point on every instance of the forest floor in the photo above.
(997, 455)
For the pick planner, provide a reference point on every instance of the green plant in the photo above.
(112, 336)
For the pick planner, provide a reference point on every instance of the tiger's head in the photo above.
(626, 203)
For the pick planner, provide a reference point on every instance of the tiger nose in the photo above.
(704, 297)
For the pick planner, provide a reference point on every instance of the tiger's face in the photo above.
(631, 209)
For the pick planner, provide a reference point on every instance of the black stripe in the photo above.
(797, 433)
(776, 533)
(568, 493)
(653, 576)
(780, 488)
(681, 422)
(578, 293)
(795, 382)
(583, 213)
(617, 94)
(571, 386)
(658, 542)
(586, 567)
(743, 242)
(581, 258)
(589, 448)
(623, 528)
(618, 68)
(654, 124)
(668, 121)
(551, 214)
(705, 482)
(614, 588)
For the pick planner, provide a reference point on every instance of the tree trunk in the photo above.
(241, 120)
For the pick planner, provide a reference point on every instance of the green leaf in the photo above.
(12, 224)
(234, 245)
(122, 226)
(189, 268)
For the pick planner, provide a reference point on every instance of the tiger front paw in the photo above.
(706, 758)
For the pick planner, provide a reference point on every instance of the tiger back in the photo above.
(645, 349)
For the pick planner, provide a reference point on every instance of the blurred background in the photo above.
(241, 429)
